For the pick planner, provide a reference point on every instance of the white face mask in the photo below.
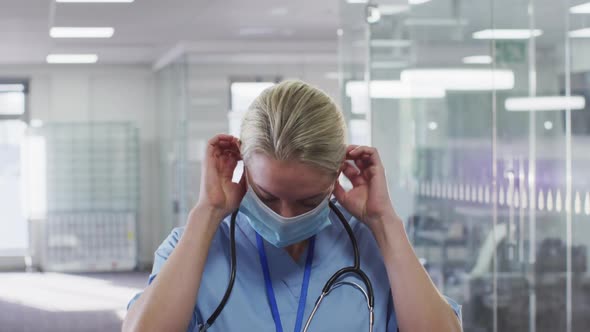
(283, 231)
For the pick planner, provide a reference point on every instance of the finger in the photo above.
(221, 138)
(232, 153)
(212, 151)
(366, 155)
(353, 175)
(350, 148)
(227, 145)
(371, 172)
(219, 145)
(228, 142)
(226, 137)
(364, 162)
(361, 150)
(228, 165)
(237, 155)
(359, 164)
(368, 170)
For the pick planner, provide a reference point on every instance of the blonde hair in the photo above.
(294, 120)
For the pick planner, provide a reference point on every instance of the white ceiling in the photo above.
(147, 29)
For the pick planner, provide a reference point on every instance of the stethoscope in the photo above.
(330, 285)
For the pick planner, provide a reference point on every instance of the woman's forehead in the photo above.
(289, 178)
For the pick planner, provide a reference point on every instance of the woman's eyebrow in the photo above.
(314, 196)
(266, 192)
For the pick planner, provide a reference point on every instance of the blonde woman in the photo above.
(288, 240)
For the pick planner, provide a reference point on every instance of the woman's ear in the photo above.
(337, 178)
(342, 167)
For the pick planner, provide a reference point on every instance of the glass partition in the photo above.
(172, 127)
(479, 111)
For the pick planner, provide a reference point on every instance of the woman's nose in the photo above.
(288, 210)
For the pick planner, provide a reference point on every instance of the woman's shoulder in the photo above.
(177, 232)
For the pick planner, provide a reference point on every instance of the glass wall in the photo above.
(14, 237)
(14, 116)
(479, 110)
(172, 132)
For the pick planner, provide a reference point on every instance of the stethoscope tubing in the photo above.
(331, 284)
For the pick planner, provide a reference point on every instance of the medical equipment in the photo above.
(330, 285)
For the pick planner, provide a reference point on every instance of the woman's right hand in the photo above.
(179, 279)
(218, 194)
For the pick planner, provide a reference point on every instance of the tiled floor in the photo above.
(55, 302)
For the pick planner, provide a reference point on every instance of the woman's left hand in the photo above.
(368, 200)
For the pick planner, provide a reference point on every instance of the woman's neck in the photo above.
(296, 250)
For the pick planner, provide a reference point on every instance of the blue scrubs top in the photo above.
(248, 309)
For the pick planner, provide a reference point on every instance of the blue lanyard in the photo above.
(270, 294)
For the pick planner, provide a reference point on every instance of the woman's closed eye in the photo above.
(268, 199)
(307, 204)
(311, 204)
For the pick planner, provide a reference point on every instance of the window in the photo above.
(243, 94)
(13, 125)
(12, 99)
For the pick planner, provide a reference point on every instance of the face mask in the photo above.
(281, 231)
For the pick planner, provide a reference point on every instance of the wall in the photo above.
(153, 101)
(103, 93)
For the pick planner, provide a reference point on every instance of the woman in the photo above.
(293, 148)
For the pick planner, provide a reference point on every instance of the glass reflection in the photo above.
(480, 112)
